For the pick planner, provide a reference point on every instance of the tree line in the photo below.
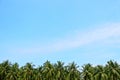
(59, 71)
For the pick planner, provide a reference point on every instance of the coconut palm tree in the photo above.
(13, 72)
(59, 71)
(73, 73)
(87, 72)
(100, 73)
(28, 71)
(48, 71)
(38, 73)
(113, 70)
(5, 67)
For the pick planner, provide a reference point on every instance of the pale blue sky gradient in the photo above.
(84, 31)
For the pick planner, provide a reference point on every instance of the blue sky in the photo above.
(84, 31)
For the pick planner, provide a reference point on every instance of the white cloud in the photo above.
(87, 37)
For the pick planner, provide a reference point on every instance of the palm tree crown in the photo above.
(59, 71)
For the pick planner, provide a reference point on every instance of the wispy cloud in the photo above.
(100, 33)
